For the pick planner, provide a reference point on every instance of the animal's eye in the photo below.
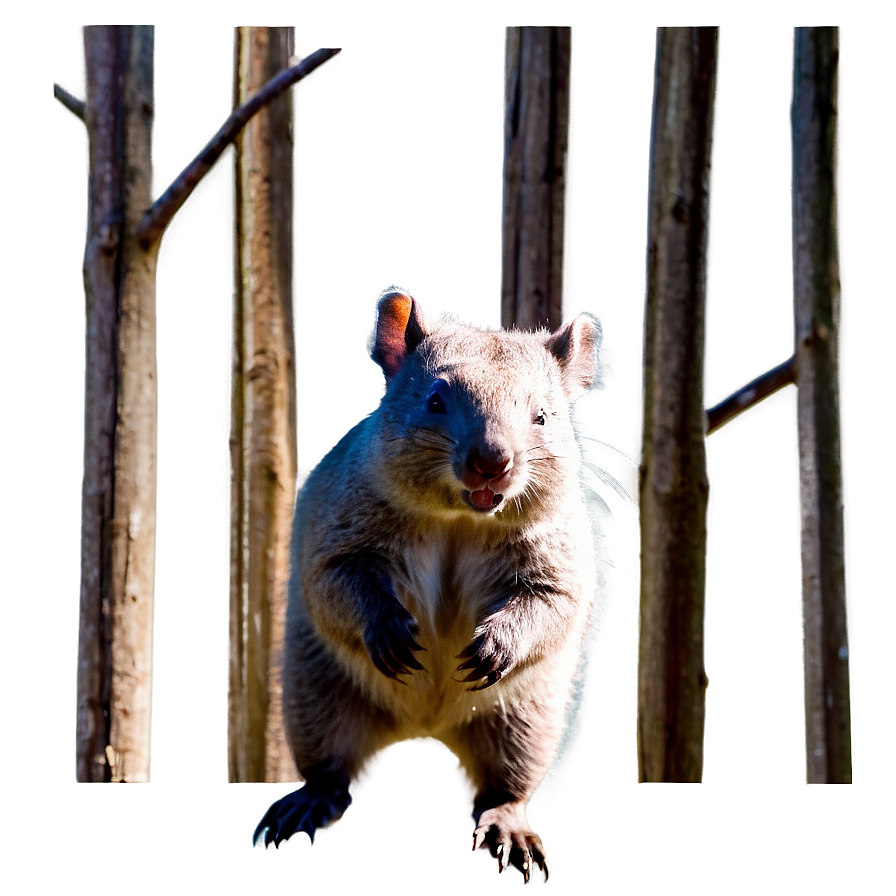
(435, 401)
(540, 418)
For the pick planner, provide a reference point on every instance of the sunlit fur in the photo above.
(384, 528)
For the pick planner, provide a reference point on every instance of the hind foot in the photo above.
(320, 802)
(504, 831)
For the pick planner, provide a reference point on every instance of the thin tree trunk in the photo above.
(263, 435)
(119, 488)
(816, 284)
(536, 126)
(673, 481)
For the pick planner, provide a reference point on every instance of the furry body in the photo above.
(443, 573)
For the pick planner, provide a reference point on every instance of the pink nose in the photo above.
(491, 465)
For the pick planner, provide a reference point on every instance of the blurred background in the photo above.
(399, 144)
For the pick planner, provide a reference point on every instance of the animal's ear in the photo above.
(400, 328)
(575, 347)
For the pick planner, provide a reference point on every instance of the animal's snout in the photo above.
(489, 463)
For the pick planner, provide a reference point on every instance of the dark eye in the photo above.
(540, 418)
(435, 401)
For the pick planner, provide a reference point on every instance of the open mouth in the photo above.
(483, 500)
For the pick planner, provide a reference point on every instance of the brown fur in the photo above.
(418, 609)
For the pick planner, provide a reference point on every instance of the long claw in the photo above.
(478, 839)
(490, 679)
(308, 827)
(475, 675)
(472, 661)
(503, 859)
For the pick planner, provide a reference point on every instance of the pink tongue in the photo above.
(484, 498)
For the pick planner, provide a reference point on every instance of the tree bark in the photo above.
(673, 480)
(536, 126)
(119, 487)
(816, 285)
(263, 435)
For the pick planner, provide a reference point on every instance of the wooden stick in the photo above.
(536, 125)
(816, 291)
(674, 487)
(263, 414)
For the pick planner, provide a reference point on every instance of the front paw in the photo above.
(488, 657)
(391, 641)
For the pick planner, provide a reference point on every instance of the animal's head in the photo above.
(478, 421)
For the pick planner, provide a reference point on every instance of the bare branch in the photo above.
(751, 394)
(72, 103)
(164, 208)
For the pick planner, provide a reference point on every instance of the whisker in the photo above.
(600, 498)
(542, 445)
(603, 444)
(607, 478)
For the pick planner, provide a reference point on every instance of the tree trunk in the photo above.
(119, 488)
(673, 481)
(816, 286)
(536, 125)
(263, 435)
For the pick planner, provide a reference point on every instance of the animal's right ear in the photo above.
(400, 328)
(575, 347)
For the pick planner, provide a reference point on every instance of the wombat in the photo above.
(443, 573)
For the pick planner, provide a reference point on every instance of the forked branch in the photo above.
(163, 209)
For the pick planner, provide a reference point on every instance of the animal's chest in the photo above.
(447, 583)
(447, 586)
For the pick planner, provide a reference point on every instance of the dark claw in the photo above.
(391, 643)
(307, 825)
(478, 664)
(490, 679)
(492, 666)
(541, 861)
(479, 668)
(469, 651)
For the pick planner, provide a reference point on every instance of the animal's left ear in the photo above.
(575, 347)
